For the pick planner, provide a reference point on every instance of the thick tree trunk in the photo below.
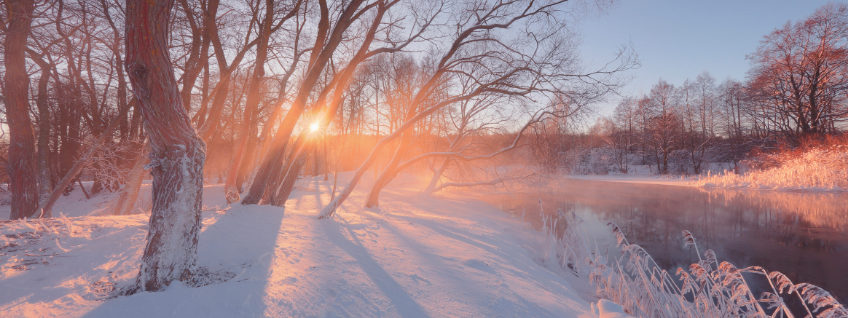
(22, 163)
(177, 153)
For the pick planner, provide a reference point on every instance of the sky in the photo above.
(679, 39)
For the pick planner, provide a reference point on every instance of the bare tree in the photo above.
(268, 175)
(483, 52)
(664, 123)
(177, 152)
(252, 103)
(800, 71)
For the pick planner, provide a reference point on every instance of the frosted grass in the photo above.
(708, 288)
(815, 169)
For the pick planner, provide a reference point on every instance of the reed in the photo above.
(708, 288)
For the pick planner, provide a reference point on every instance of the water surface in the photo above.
(801, 234)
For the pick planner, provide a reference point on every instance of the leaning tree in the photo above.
(176, 151)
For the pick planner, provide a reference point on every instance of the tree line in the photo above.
(795, 92)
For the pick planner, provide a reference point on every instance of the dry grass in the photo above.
(821, 166)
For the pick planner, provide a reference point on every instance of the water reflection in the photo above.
(803, 235)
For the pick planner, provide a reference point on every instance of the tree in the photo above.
(252, 104)
(490, 56)
(800, 71)
(177, 152)
(663, 123)
(268, 175)
(22, 163)
(624, 117)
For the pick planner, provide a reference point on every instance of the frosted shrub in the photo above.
(816, 169)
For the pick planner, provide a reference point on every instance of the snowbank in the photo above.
(412, 257)
(607, 309)
(680, 181)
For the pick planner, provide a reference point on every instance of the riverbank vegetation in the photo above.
(819, 167)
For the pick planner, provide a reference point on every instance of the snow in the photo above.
(608, 309)
(449, 255)
(636, 179)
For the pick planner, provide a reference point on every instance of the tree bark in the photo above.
(177, 152)
(22, 164)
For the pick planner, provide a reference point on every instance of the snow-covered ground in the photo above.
(679, 181)
(412, 257)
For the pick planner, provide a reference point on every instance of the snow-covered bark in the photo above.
(177, 152)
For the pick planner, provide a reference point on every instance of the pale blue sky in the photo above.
(679, 39)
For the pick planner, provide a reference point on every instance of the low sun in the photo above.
(314, 127)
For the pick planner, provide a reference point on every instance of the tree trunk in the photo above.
(129, 195)
(230, 189)
(437, 175)
(177, 153)
(43, 164)
(295, 164)
(390, 170)
(320, 58)
(22, 163)
(271, 194)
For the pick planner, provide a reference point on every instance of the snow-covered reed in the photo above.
(813, 169)
(708, 288)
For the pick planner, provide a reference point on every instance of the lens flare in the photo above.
(314, 127)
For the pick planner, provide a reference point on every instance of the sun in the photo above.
(314, 127)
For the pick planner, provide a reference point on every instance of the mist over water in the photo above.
(801, 234)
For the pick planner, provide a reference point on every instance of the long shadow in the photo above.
(522, 267)
(241, 243)
(461, 236)
(403, 302)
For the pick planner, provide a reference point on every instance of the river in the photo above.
(804, 235)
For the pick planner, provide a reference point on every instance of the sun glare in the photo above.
(314, 127)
